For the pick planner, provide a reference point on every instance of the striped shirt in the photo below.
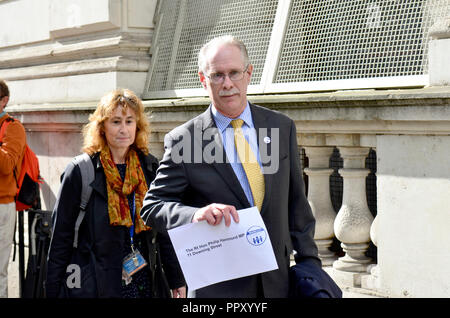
(223, 123)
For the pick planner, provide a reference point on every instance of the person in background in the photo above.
(191, 190)
(12, 149)
(112, 233)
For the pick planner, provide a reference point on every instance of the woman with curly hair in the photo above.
(116, 252)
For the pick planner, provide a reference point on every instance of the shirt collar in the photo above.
(223, 121)
(3, 113)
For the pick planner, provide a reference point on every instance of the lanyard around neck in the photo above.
(133, 212)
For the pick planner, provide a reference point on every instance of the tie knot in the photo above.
(237, 123)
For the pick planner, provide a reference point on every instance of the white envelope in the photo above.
(210, 254)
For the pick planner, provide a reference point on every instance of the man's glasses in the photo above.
(219, 78)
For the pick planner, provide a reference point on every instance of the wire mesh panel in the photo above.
(313, 44)
(356, 39)
(185, 25)
(162, 47)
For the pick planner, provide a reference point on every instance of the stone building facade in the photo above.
(60, 56)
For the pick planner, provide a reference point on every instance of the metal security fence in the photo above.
(357, 43)
(334, 40)
(183, 26)
(297, 45)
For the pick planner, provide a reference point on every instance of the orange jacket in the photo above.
(11, 156)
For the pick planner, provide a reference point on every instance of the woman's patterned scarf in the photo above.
(118, 190)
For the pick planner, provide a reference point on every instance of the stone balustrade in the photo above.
(351, 224)
(319, 198)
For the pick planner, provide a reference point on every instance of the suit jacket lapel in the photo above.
(264, 139)
(222, 167)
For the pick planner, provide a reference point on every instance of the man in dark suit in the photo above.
(201, 176)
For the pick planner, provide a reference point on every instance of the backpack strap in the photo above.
(4, 125)
(87, 177)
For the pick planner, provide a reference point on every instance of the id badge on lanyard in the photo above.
(134, 261)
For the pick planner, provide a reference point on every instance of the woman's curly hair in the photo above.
(93, 133)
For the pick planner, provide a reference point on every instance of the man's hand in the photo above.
(214, 213)
(179, 292)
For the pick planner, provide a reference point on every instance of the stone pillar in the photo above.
(353, 221)
(319, 198)
(372, 281)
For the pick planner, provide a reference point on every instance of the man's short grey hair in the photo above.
(224, 39)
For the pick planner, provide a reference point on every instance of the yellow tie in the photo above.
(248, 159)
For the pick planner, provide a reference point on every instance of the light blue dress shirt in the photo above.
(223, 123)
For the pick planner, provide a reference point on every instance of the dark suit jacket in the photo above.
(101, 277)
(180, 188)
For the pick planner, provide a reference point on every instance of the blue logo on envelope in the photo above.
(256, 235)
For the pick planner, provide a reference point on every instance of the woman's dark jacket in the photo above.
(100, 246)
